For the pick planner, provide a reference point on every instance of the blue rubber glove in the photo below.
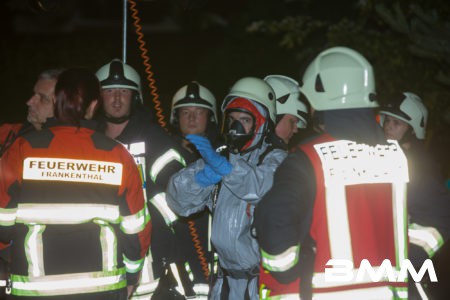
(207, 177)
(219, 163)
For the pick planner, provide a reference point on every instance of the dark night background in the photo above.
(218, 42)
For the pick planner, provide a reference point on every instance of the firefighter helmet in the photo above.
(117, 74)
(193, 94)
(254, 89)
(409, 109)
(339, 78)
(287, 93)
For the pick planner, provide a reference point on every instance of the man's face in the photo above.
(394, 128)
(286, 127)
(193, 119)
(244, 118)
(117, 102)
(41, 105)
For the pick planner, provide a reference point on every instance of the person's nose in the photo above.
(32, 100)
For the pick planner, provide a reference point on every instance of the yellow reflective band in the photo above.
(159, 201)
(164, 160)
(133, 266)
(348, 163)
(49, 213)
(426, 237)
(7, 216)
(282, 261)
(34, 251)
(135, 223)
(72, 170)
(68, 284)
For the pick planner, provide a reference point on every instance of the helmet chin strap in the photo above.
(118, 120)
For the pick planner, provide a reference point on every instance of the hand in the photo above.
(207, 176)
(219, 163)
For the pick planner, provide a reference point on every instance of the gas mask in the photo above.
(236, 137)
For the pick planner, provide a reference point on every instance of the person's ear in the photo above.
(90, 111)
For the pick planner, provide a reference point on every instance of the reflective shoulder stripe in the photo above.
(68, 284)
(135, 223)
(164, 160)
(8, 216)
(77, 213)
(281, 262)
(72, 170)
(133, 266)
(426, 237)
(159, 201)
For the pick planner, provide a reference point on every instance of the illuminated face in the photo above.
(244, 118)
(394, 128)
(286, 127)
(117, 102)
(41, 105)
(193, 119)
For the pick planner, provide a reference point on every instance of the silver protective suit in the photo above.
(240, 191)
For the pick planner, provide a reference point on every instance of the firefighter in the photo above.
(40, 108)
(405, 119)
(124, 118)
(194, 111)
(332, 198)
(292, 113)
(231, 185)
(72, 204)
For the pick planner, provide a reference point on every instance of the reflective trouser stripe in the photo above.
(281, 262)
(374, 293)
(68, 284)
(426, 237)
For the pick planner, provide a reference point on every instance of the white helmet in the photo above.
(254, 89)
(287, 92)
(116, 74)
(339, 78)
(409, 109)
(193, 94)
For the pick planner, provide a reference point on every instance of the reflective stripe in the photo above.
(284, 297)
(201, 289)
(159, 201)
(72, 170)
(67, 284)
(34, 250)
(145, 290)
(179, 287)
(136, 148)
(164, 160)
(135, 223)
(133, 266)
(8, 216)
(280, 262)
(49, 213)
(426, 237)
(400, 216)
(108, 240)
(2, 282)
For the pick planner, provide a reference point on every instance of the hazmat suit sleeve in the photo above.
(249, 182)
(184, 195)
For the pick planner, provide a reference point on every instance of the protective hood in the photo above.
(256, 136)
